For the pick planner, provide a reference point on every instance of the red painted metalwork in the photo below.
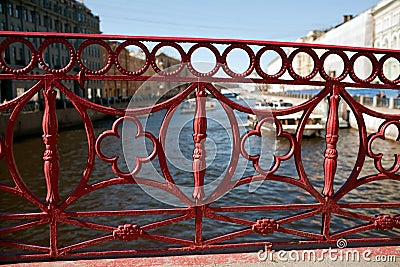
(52, 210)
(332, 131)
(199, 137)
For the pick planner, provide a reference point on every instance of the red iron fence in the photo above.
(199, 208)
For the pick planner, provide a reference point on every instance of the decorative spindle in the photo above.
(199, 137)
(331, 154)
(50, 138)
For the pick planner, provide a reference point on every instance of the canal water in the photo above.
(389, 93)
(72, 149)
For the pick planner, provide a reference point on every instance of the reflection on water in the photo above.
(72, 148)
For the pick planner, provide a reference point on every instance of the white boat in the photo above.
(229, 94)
(342, 122)
(189, 105)
(290, 122)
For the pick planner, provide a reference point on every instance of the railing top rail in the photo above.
(194, 40)
(300, 63)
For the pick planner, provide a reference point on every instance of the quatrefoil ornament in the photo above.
(114, 133)
(277, 158)
(378, 157)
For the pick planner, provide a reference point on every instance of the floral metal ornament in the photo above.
(265, 226)
(386, 222)
(127, 232)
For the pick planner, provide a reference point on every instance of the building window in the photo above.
(2, 28)
(20, 91)
(1, 8)
(20, 59)
(396, 19)
(10, 10)
(47, 59)
(14, 52)
(25, 14)
(18, 12)
(56, 25)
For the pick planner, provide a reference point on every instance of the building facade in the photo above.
(48, 16)
(387, 32)
(355, 31)
(302, 63)
(379, 26)
(132, 60)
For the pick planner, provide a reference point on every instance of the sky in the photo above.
(275, 20)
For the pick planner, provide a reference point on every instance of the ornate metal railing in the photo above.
(230, 226)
